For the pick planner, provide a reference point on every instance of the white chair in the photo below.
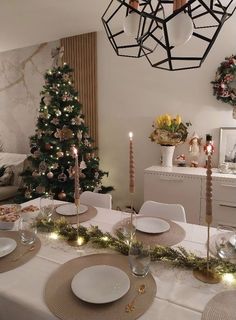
(96, 199)
(164, 210)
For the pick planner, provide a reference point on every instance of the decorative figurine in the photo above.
(195, 145)
(181, 160)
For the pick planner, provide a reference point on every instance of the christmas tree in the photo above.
(60, 126)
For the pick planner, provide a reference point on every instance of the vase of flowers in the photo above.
(169, 131)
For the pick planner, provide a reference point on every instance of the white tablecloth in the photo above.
(179, 295)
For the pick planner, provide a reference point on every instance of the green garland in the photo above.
(178, 257)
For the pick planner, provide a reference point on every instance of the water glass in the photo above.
(28, 230)
(226, 242)
(128, 225)
(46, 206)
(139, 258)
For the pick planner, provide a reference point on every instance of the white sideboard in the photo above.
(187, 186)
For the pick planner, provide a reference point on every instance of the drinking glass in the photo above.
(128, 225)
(28, 230)
(139, 258)
(226, 242)
(46, 206)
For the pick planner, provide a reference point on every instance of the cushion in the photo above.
(7, 178)
(7, 192)
(16, 161)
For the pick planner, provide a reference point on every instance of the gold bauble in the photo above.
(60, 154)
(62, 195)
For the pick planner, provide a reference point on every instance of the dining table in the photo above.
(179, 295)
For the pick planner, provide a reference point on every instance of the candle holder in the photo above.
(207, 275)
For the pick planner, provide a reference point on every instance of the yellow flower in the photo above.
(167, 119)
(178, 119)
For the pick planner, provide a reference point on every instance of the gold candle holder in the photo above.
(207, 275)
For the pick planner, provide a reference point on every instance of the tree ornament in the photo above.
(224, 87)
(28, 194)
(35, 173)
(80, 135)
(58, 113)
(39, 133)
(82, 165)
(71, 172)
(64, 133)
(48, 146)
(55, 121)
(50, 175)
(96, 175)
(77, 121)
(37, 154)
(33, 149)
(47, 99)
(62, 195)
(66, 77)
(40, 189)
(55, 166)
(62, 177)
(69, 109)
(60, 154)
(43, 167)
(82, 175)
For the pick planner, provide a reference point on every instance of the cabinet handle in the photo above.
(227, 206)
(229, 185)
(171, 179)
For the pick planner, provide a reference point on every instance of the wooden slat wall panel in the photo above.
(81, 54)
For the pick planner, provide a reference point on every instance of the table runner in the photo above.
(221, 307)
(88, 215)
(65, 305)
(169, 238)
(20, 255)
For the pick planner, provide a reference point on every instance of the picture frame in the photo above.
(227, 149)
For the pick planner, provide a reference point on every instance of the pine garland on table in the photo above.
(178, 257)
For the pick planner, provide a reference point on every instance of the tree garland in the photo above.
(178, 257)
(225, 75)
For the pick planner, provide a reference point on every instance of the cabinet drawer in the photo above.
(224, 190)
(222, 212)
(175, 189)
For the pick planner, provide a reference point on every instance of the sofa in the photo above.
(15, 162)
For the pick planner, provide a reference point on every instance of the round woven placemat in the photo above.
(88, 215)
(22, 253)
(173, 236)
(66, 306)
(230, 247)
(221, 307)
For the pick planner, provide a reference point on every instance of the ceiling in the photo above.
(28, 22)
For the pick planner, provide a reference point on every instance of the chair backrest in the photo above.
(96, 199)
(164, 210)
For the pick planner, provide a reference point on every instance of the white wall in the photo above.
(21, 80)
(131, 94)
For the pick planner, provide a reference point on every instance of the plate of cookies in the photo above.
(9, 216)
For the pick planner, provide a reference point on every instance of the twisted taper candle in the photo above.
(131, 165)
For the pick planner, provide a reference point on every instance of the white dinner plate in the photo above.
(100, 284)
(232, 240)
(7, 245)
(70, 209)
(152, 225)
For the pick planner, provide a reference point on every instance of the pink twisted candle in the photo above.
(131, 164)
(77, 184)
(209, 191)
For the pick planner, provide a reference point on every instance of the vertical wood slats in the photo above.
(80, 52)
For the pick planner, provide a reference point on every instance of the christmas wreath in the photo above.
(224, 86)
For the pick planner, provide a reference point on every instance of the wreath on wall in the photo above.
(224, 86)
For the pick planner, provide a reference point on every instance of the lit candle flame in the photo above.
(80, 241)
(131, 135)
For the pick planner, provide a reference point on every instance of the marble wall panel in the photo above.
(21, 80)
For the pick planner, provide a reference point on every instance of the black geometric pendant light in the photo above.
(171, 34)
